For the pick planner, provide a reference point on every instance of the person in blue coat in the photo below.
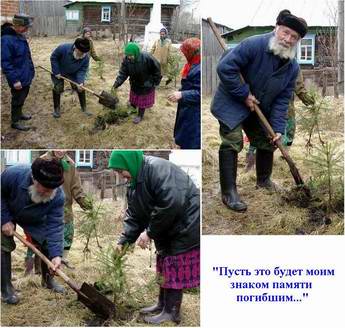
(32, 198)
(70, 60)
(268, 66)
(17, 65)
(187, 123)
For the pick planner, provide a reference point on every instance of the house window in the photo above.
(84, 158)
(13, 157)
(72, 14)
(106, 11)
(306, 50)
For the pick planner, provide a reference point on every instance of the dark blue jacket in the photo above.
(64, 63)
(271, 85)
(187, 125)
(16, 62)
(44, 221)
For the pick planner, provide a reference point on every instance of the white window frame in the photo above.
(81, 162)
(72, 15)
(13, 157)
(299, 50)
(103, 12)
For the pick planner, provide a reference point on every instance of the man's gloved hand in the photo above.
(308, 100)
(85, 204)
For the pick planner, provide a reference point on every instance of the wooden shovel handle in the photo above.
(50, 265)
(70, 81)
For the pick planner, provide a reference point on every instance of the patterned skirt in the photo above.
(179, 271)
(142, 101)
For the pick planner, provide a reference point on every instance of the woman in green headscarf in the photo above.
(164, 206)
(144, 74)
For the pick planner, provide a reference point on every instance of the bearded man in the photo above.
(70, 60)
(269, 69)
(31, 198)
(73, 190)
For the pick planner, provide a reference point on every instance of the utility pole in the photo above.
(341, 47)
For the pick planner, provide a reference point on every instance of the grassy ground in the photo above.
(267, 213)
(40, 307)
(74, 129)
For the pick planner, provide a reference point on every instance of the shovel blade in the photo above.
(95, 301)
(108, 100)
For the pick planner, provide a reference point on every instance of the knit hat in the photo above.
(128, 160)
(86, 29)
(132, 49)
(295, 23)
(82, 44)
(22, 20)
(163, 29)
(49, 173)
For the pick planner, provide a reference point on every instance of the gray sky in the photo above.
(240, 13)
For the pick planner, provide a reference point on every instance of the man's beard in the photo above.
(37, 198)
(281, 51)
(77, 57)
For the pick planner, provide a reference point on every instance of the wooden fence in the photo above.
(211, 53)
(102, 184)
(49, 16)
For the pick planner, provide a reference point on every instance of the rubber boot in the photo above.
(8, 294)
(156, 308)
(228, 174)
(82, 101)
(19, 126)
(264, 166)
(29, 265)
(139, 118)
(56, 100)
(48, 280)
(25, 117)
(171, 310)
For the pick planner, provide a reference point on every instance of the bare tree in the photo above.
(328, 46)
(341, 47)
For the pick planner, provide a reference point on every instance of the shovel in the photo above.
(105, 98)
(87, 294)
(293, 168)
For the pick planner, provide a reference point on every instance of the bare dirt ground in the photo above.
(267, 213)
(73, 129)
(40, 307)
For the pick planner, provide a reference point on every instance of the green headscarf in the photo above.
(132, 49)
(129, 160)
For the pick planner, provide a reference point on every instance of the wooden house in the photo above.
(103, 16)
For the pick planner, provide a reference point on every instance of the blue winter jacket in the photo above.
(44, 221)
(16, 62)
(271, 85)
(64, 63)
(187, 125)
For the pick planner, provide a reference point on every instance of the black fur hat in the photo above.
(49, 173)
(295, 23)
